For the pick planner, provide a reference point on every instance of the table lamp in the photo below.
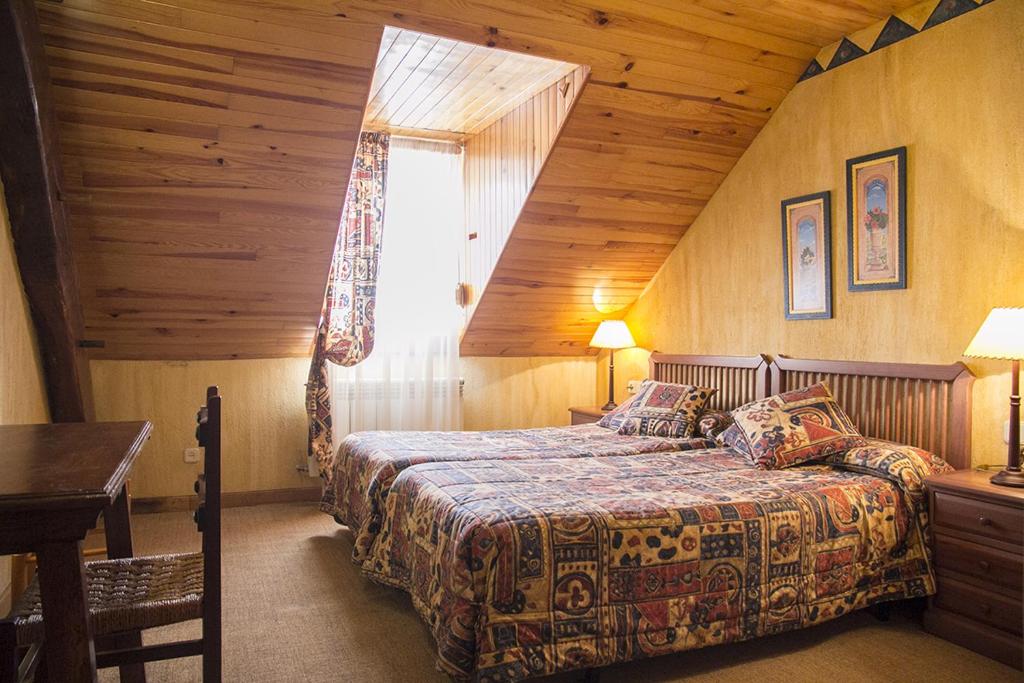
(1001, 336)
(612, 334)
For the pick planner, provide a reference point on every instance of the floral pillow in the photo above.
(662, 409)
(905, 465)
(713, 422)
(794, 427)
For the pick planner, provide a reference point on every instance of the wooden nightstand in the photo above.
(582, 415)
(979, 560)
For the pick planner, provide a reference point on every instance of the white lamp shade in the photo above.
(612, 334)
(1000, 336)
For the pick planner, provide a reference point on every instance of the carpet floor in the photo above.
(297, 609)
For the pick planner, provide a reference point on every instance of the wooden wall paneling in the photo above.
(201, 105)
(429, 86)
(501, 163)
(208, 153)
(33, 186)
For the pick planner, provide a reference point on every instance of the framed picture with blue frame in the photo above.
(876, 220)
(807, 256)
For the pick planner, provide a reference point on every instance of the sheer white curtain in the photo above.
(411, 379)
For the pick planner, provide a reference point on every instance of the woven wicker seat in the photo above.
(129, 595)
(126, 595)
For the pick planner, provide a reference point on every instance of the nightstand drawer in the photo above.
(978, 517)
(981, 605)
(988, 565)
(586, 415)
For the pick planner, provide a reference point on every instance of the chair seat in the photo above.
(126, 595)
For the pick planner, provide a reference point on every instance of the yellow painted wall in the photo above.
(514, 393)
(264, 433)
(22, 388)
(954, 95)
(265, 419)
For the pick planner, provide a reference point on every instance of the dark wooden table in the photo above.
(55, 480)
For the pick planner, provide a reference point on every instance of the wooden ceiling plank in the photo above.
(456, 80)
(172, 35)
(343, 122)
(392, 80)
(468, 89)
(489, 92)
(401, 94)
(105, 69)
(498, 106)
(428, 86)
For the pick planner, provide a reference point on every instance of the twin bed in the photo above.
(529, 552)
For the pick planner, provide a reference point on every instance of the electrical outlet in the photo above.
(193, 454)
(633, 386)
(1006, 431)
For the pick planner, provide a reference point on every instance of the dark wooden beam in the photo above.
(31, 173)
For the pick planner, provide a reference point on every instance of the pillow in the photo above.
(907, 466)
(732, 438)
(794, 427)
(662, 409)
(613, 420)
(713, 422)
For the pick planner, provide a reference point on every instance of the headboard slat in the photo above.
(738, 379)
(928, 406)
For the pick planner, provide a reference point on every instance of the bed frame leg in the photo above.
(591, 676)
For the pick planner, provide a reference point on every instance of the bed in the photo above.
(358, 480)
(530, 567)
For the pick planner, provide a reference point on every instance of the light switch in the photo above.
(633, 386)
(193, 454)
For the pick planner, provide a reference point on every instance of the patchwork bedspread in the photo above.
(525, 568)
(366, 464)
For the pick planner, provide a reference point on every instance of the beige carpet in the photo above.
(296, 609)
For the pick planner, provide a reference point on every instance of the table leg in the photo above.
(70, 654)
(117, 524)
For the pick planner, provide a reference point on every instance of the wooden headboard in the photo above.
(928, 406)
(739, 379)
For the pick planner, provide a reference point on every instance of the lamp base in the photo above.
(610, 405)
(1014, 478)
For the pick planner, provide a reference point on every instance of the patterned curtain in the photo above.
(345, 335)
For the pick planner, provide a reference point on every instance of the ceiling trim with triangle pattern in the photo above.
(889, 31)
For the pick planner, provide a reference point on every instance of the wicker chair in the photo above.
(131, 594)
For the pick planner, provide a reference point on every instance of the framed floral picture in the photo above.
(807, 256)
(876, 220)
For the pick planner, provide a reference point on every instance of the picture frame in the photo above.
(807, 256)
(876, 198)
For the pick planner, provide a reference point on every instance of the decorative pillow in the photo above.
(713, 422)
(662, 409)
(905, 465)
(613, 420)
(794, 427)
(733, 438)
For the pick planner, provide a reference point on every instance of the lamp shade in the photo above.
(612, 334)
(1000, 336)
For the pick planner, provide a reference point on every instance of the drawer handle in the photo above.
(985, 566)
(984, 521)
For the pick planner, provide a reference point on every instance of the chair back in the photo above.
(208, 517)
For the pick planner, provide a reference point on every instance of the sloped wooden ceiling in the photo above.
(426, 86)
(207, 144)
(206, 147)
